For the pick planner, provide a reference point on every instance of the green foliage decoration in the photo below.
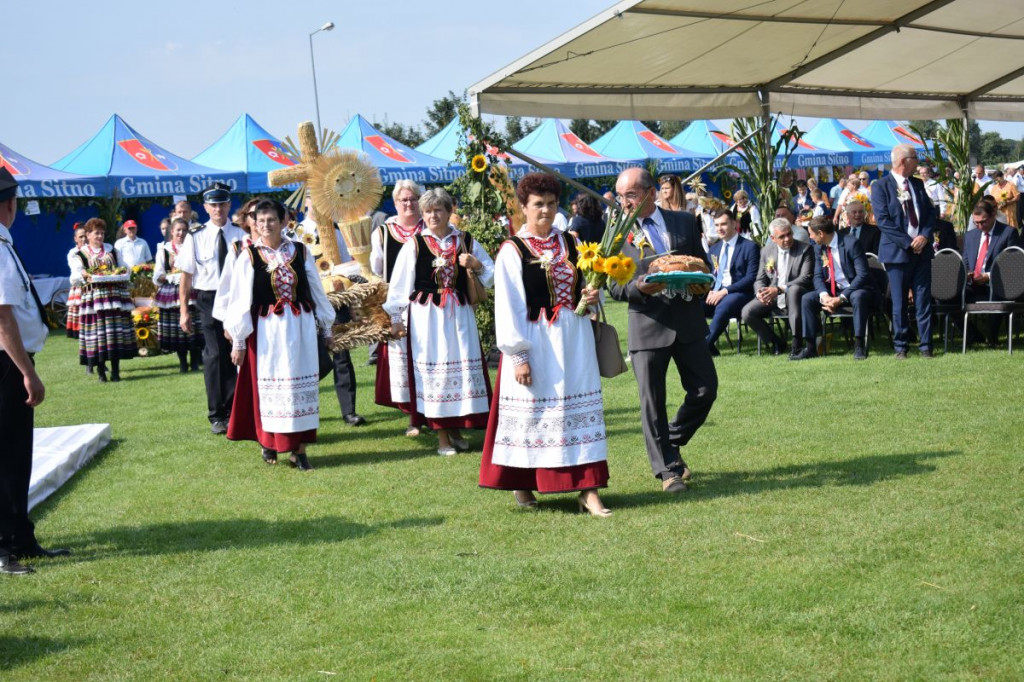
(481, 202)
(762, 161)
(949, 149)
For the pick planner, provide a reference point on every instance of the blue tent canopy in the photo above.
(888, 134)
(395, 160)
(830, 134)
(135, 167)
(249, 148)
(705, 138)
(36, 181)
(634, 141)
(446, 142)
(569, 154)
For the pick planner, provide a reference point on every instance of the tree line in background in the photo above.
(989, 148)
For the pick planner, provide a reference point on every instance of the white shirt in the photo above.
(309, 226)
(911, 230)
(725, 259)
(198, 254)
(78, 267)
(72, 254)
(131, 252)
(560, 223)
(937, 193)
(403, 279)
(842, 281)
(984, 237)
(783, 269)
(377, 245)
(15, 292)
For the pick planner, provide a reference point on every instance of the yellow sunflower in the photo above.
(628, 268)
(142, 333)
(614, 268)
(598, 264)
(589, 253)
(308, 239)
(479, 163)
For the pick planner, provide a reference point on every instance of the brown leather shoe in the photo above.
(673, 485)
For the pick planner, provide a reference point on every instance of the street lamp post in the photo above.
(316, 96)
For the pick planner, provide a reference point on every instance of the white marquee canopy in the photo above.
(705, 59)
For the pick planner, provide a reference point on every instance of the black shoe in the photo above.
(37, 552)
(115, 376)
(714, 350)
(101, 372)
(354, 419)
(901, 355)
(859, 353)
(806, 354)
(927, 353)
(269, 456)
(371, 362)
(778, 347)
(9, 565)
(219, 427)
(299, 461)
(89, 369)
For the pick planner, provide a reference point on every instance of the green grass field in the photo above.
(846, 521)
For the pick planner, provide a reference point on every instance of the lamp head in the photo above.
(328, 26)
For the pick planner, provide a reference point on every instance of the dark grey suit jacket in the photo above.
(801, 266)
(658, 321)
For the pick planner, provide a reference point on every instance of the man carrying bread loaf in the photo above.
(665, 326)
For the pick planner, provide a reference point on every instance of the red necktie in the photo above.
(911, 211)
(831, 271)
(979, 266)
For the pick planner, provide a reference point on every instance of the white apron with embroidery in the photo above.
(558, 421)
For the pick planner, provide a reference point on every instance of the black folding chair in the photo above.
(1006, 287)
(949, 286)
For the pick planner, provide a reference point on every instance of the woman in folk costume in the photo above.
(72, 324)
(391, 388)
(166, 278)
(276, 309)
(546, 430)
(448, 385)
(106, 330)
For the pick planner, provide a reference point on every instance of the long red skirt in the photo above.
(544, 480)
(245, 422)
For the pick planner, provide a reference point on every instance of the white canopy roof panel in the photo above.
(701, 59)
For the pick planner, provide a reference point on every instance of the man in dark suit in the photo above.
(664, 326)
(906, 217)
(867, 235)
(841, 278)
(784, 275)
(981, 246)
(735, 268)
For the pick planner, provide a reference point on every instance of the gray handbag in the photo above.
(610, 362)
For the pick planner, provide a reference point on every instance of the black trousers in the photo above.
(16, 424)
(700, 380)
(218, 372)
(344, 372)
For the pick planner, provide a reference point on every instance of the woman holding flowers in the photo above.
(167, 277)
(448, 388)
(546, 429)
(104, 312)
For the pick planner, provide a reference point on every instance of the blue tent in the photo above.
(569, 154)
(830, 134)
(395, 160)
(36, 181)
(135, 167)
(445, 143)
(247, 147)
(888, 134)
(703, 137)
(634, 141)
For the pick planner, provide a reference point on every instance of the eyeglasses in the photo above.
(632, 195)
(407, 201)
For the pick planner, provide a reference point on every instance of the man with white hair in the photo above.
(906, 218)
(784, 275)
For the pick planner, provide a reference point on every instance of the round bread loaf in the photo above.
(678, 264)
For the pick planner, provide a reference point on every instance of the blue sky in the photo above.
(182, 72)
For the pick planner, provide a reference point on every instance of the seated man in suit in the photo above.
(981, 246)
(799, 233)
(735, 268)
(784, 275)
(867, 235)
(841, 277)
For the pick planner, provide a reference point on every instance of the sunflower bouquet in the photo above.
(601, 260)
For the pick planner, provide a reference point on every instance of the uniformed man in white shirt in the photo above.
(22, 334)
(201, 261)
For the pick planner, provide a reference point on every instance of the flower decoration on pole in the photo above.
(601, 260)
(479, 163)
